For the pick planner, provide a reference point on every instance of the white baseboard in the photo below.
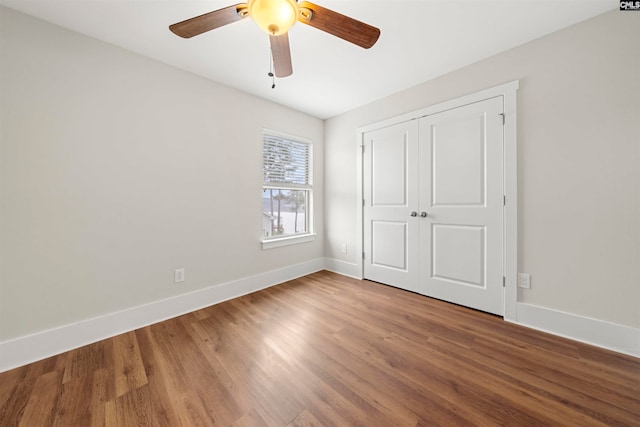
(619, 338)
(342, 267)
(23, 350)
(27, 349)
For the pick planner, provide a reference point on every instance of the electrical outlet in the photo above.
(344, 248)
(524, 280)
(178, 275)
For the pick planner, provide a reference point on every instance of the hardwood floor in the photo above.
(327, 350)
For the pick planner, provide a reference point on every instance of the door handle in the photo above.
(414, 213)
(423, 214)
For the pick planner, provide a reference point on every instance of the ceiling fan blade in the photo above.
(342, 26)
(281, 55)
(209, 21)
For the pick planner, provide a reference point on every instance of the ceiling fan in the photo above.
(276, 17)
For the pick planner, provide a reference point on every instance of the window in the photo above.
(286, 190)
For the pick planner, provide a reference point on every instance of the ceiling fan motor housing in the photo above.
(275, 17)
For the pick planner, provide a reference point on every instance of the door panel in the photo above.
(458, 179)
(389, 242)
(458, 254)
(391, 180)
(462, 192)
(389, 169)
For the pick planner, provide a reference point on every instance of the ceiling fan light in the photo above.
(275, 17)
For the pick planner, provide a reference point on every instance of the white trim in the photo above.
(286, 136)
(359, 206)
(342, 267)
(509, 93)
(286, 241)
(501, 90)
(611, 336)
(23, 350)
(510, 97)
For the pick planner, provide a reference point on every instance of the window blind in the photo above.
(286, 163)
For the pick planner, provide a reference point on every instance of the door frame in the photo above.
(508, 91)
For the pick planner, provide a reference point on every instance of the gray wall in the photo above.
(116, 169)
(578, 163)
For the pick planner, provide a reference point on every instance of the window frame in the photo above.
(290, 239)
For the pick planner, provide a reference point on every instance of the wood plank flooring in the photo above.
(327, 350)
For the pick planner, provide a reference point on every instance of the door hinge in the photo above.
(504, 200)
(362, 148)
(504, 281)
(503, 118)
(362, 255)
(363, 203)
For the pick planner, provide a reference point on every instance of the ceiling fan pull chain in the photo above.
(270, 74)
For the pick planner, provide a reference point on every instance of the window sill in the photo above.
(286, 241)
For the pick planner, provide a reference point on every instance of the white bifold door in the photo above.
(433, 205)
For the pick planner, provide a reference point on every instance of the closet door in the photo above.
(461, 193)
(391, 180)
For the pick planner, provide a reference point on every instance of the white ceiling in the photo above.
(420, 40)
